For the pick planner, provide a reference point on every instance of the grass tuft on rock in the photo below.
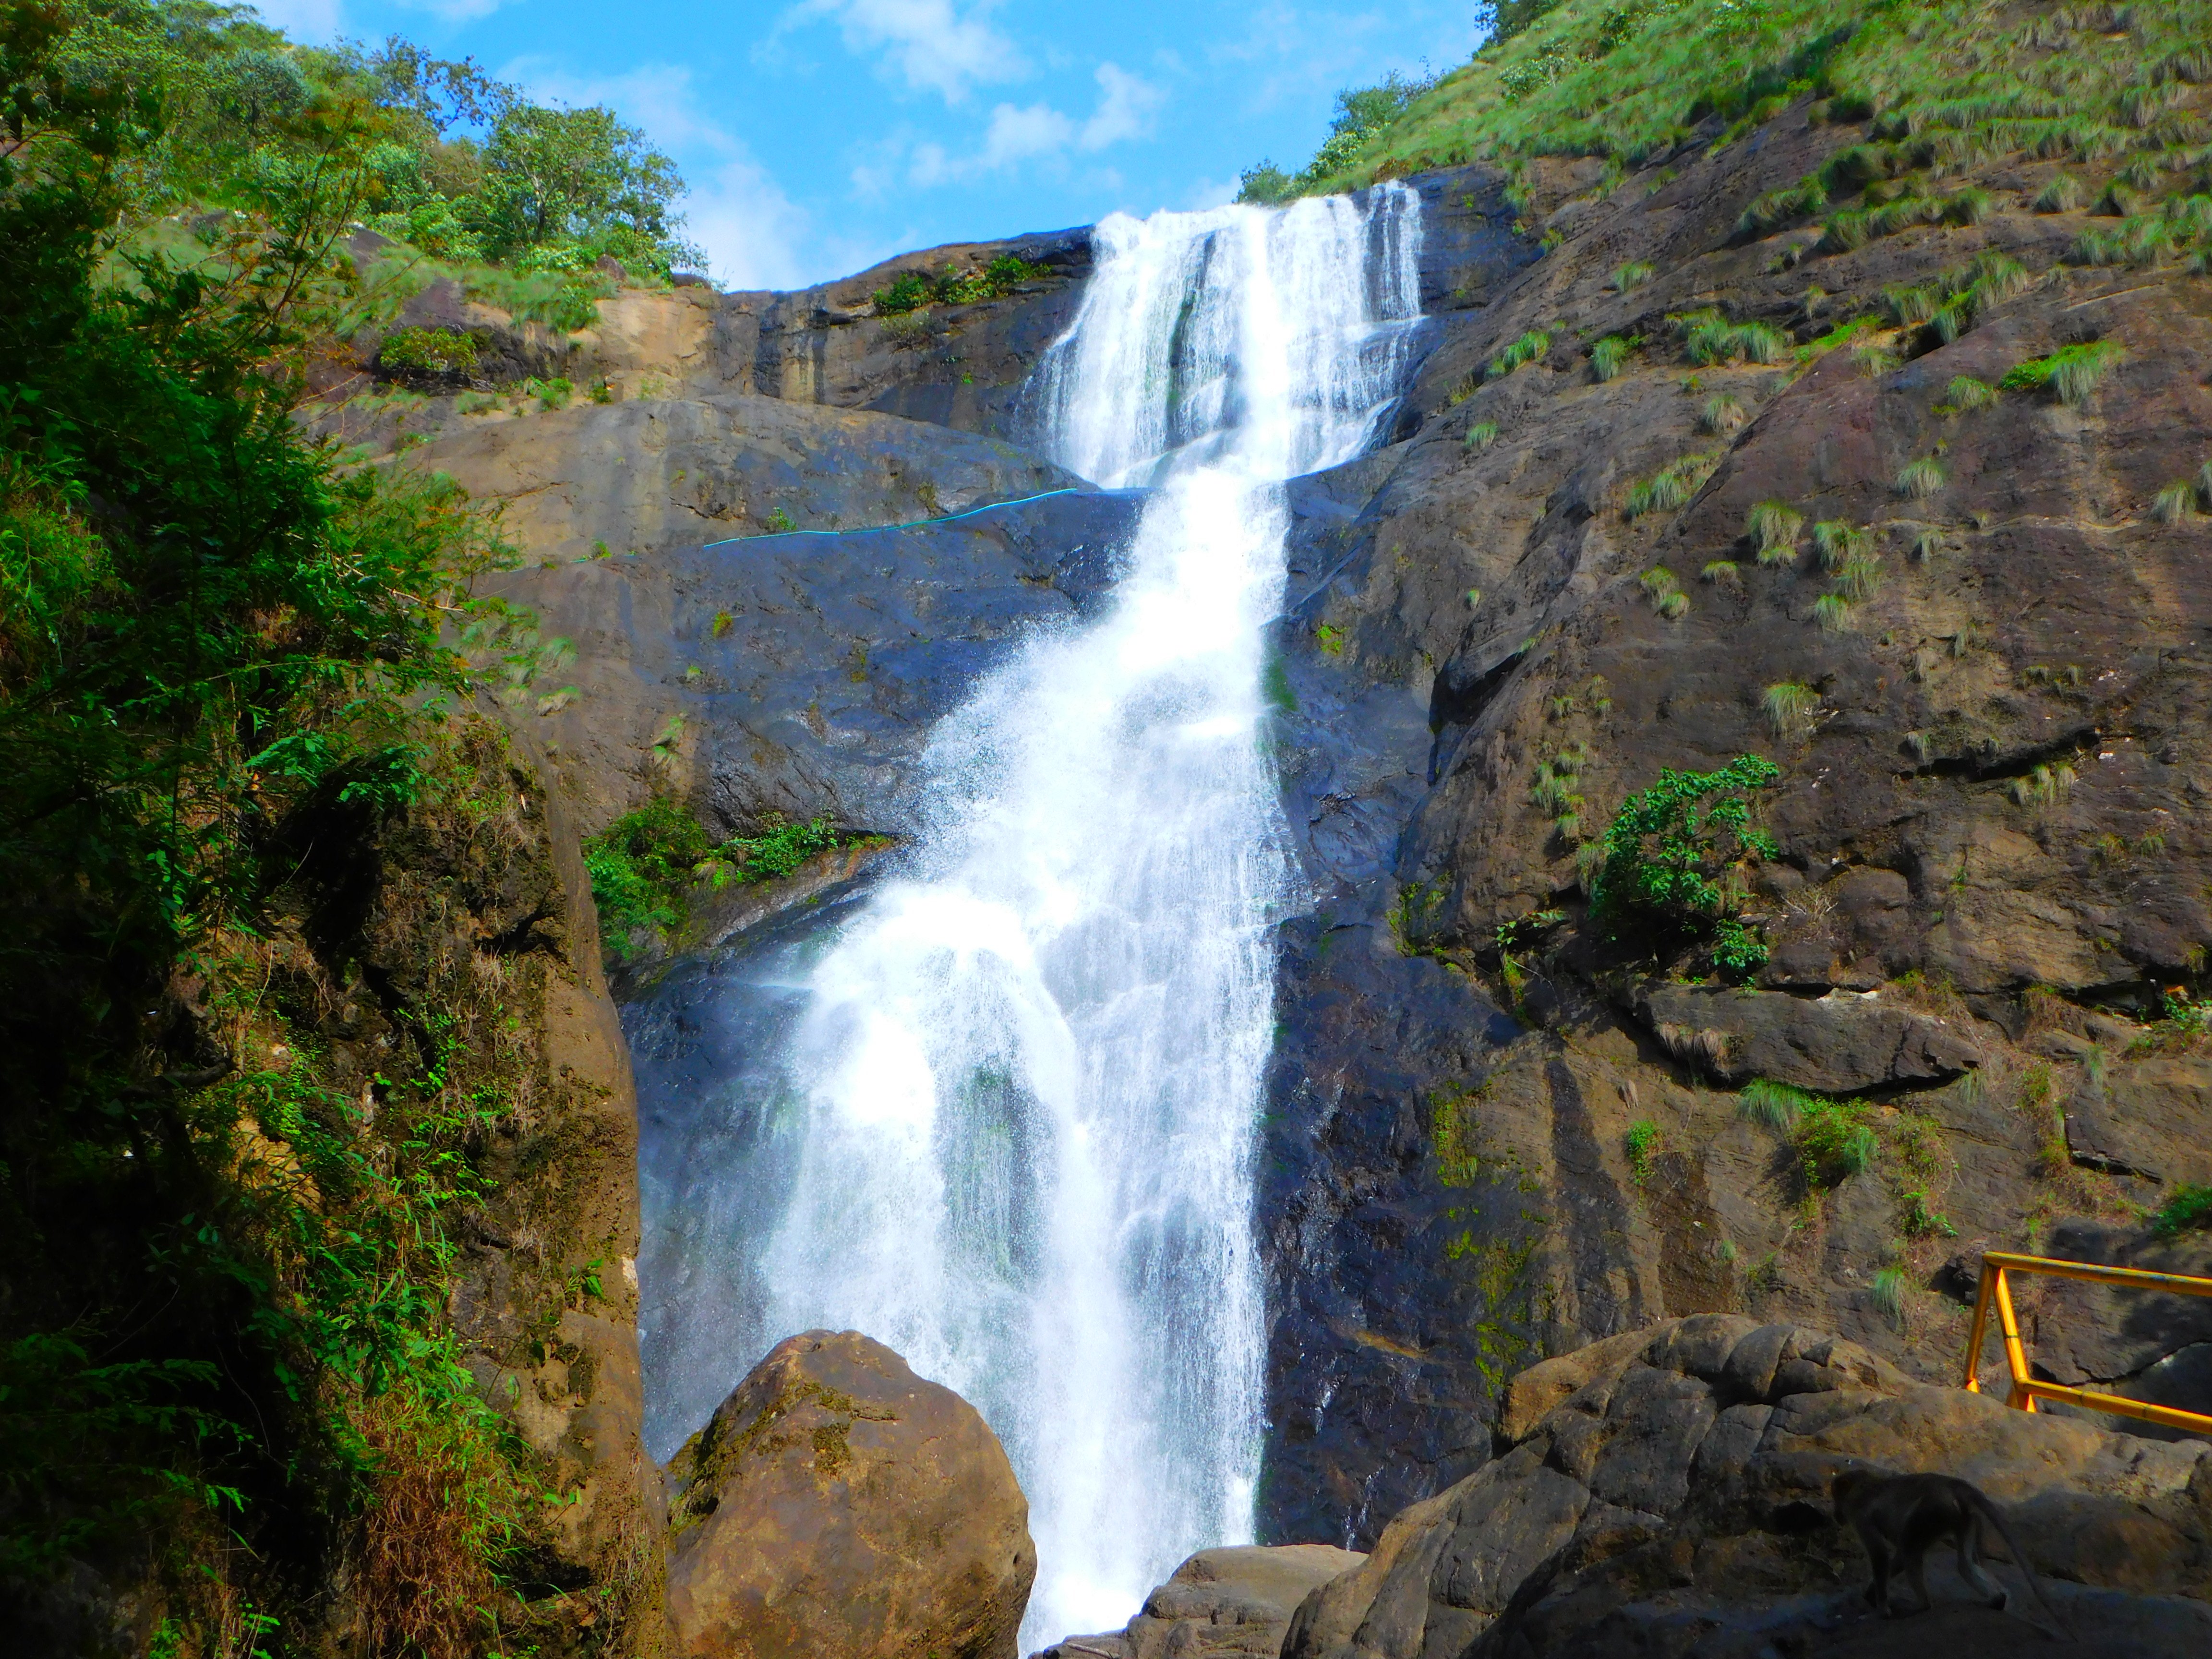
(1774, 529)
(1789, 708)
(1609, 355)
(1922, 478)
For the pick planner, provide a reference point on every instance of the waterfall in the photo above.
(1007, 1127)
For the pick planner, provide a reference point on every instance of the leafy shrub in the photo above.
(1834, 1142)
(442, 351)
(1265, 185)
(908, 291)
(646, 863)
(1672, 854)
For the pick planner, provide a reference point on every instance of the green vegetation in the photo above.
(2176, 503)
(1710, 338)
(1480, 435)
(1920, 479)
(2189, 1207)
(1774, 530)
(1609, 355)
(646, 865)
(1836, 542)
(1940, 84)
(1642, 1140)
(1776, 1105)
(1722, 572)
(1361, 112)
(1631, 277)
(1664, 590)
(2042, 786)
(1789, 708)
(439, 352)
(2069, 374)
(227, 1352)
(449, 162)
(1891, 1294)
(912, 290)
(1528, 349)
(1671, 487)
(1674, 859)
(1967, 394)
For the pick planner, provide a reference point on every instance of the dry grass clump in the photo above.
(1774, 530)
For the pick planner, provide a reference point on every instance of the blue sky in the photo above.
(820, 136)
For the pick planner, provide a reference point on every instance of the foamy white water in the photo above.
(1027, 1076)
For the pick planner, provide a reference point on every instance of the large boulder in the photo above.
(1667, 1491)
(1237, 1600)
(838, 1503)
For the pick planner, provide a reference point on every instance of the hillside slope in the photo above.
(1864, 428)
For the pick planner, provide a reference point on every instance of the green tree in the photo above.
(582, 179)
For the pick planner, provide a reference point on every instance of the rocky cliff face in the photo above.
(1983, 687)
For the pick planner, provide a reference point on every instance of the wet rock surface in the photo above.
(1667, 1491)
(837, 1503)
(800, 675)
(1235, 1600)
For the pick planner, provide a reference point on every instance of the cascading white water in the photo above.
(1023, 1092)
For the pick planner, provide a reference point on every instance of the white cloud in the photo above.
(455, 11)
(313, 23)
(1039, 132)
(754, 235)
(931, 44)
(1126, 103)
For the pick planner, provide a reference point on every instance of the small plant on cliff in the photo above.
(2044, 786)
(1789, 708)
(1836, 542)
(1776, 1105)
(1664, 590)
(646, 863)
(1641, 1141)
(1609, 355)
(2189, 1207)
(1631, 276)
(2069, 374)
(1723, 414)
(1922, 478)
(1481, 437)
(1528, 349)
(1675, 855)
(1967, 394)
(1834, 1141)
(1774, 530)
(428, 351)
(2176, 503)
(2062, 194)
(1891, 1295)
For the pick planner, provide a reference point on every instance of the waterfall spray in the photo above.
(1011, 1130)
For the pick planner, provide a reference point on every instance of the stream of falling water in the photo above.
(1015, 1112)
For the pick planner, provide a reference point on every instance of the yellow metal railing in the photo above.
(1997, 1291)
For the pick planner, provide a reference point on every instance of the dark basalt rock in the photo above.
(1667, 1492)
(1840, 1044)
(800, 674)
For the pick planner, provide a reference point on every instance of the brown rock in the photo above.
(1235, 1600)
(839, 1504)
(1676, 1501)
